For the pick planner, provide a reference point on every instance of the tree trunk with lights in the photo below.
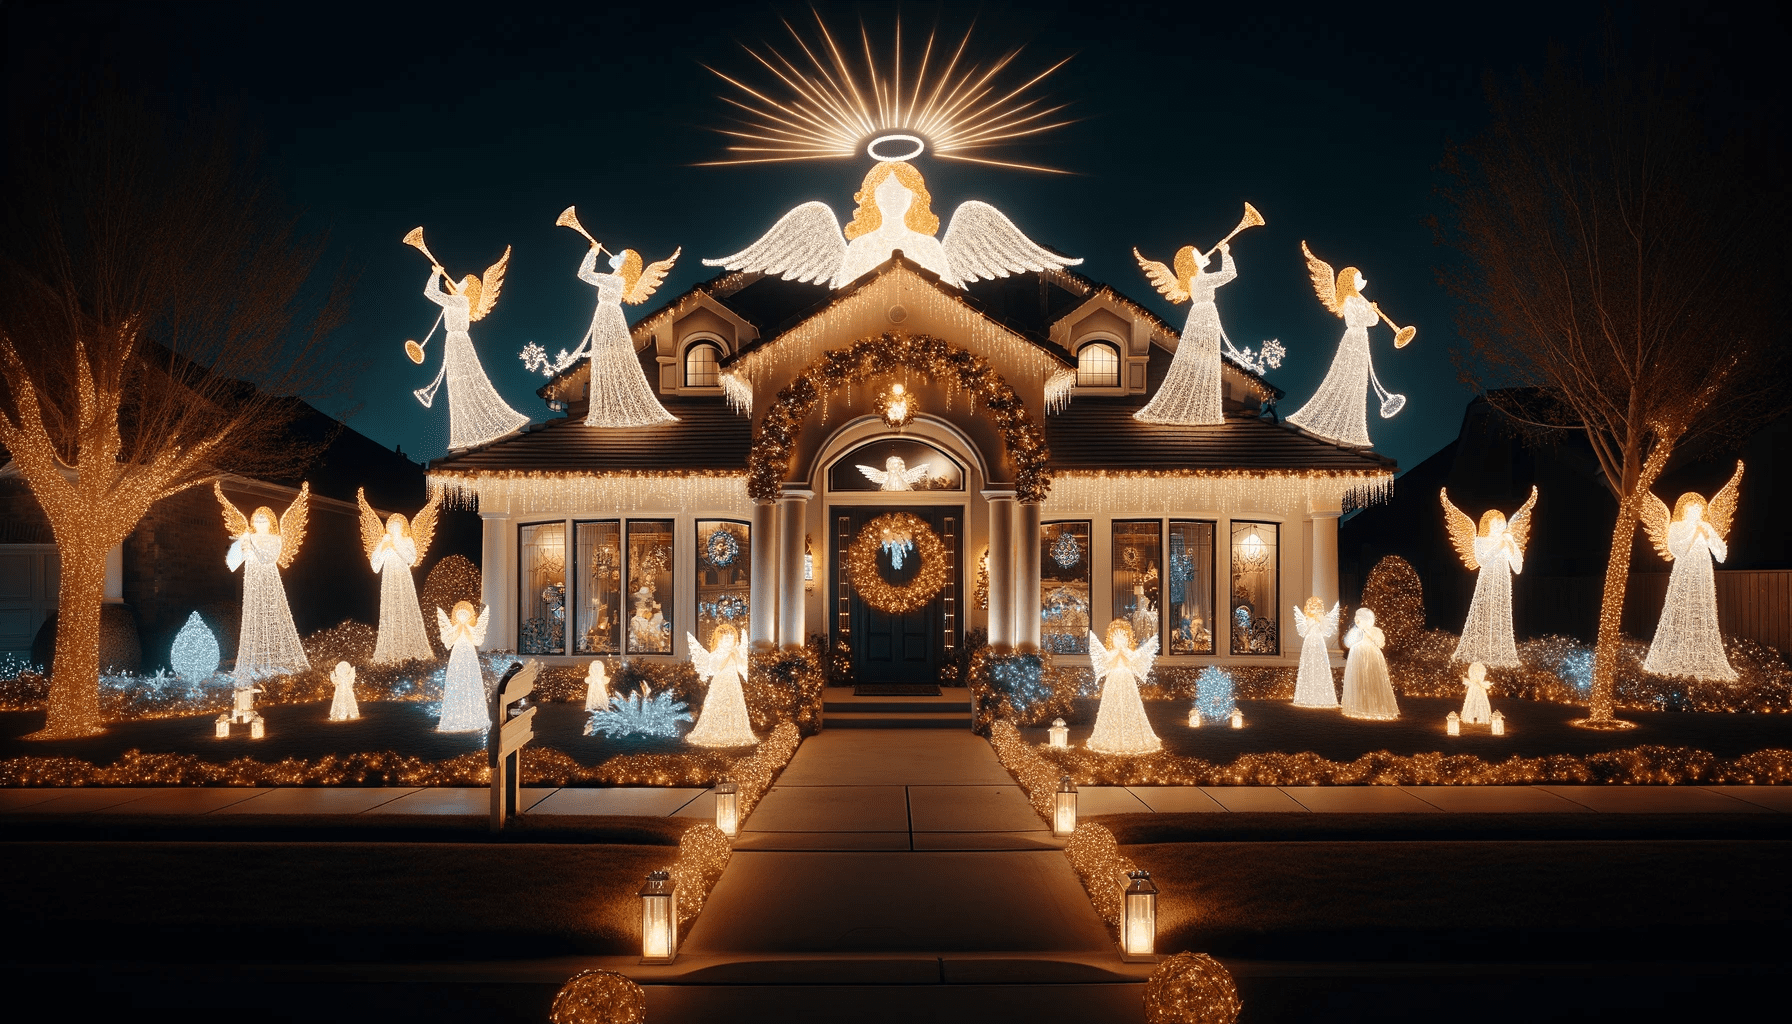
(75, 673)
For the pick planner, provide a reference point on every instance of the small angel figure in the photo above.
(896, 474)
(1475, 708)
(262, 545)
(1687, 641)
(342, 705)
(1496, 551)
(463, 694)
(394, 550)
(1120, 723)
(1336, 411)
(476, 412)
(1313, 686)
(618, 393)
(1190, 392)
(723, 722)
(1368, 690)
(597, 687)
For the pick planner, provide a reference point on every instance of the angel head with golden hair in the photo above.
(897, 188)
(640, 281)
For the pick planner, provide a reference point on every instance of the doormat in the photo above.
(896, 690)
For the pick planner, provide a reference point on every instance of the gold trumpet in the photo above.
(569, 219)
(414, 238)
(1402, 335)
(1250, 219)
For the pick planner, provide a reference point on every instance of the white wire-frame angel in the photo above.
(261, 545)
(394, 550)
(1313, 686)
(1190, 392)
(1120, 723)
(1476, 708)
(896, 475)
(1368, 689)
(894, 212)
(463, 691)
(1337, 411)
(1687, 640)
(342, 701)
(1494, 550)
(476, 412)
(723, 722)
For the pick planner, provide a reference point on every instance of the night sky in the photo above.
(482, 122)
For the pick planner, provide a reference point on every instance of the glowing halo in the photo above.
(871, 148)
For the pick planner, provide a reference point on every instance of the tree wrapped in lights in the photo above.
(1495, 551)
(1120, 723)
(1313, 686)
(261, 545)
(1687, 640)
(394, 550)
(148, 275)
(463, 692)
(723, 721)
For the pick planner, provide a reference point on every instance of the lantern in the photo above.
(728, 809)
(1499, 724)
(1194, 718)
(659, 919)
(1453, 724)
(1064, 808)
(1138, 919)
(257, 727)
(1060, 734)
(1237, 719)
(223, 727)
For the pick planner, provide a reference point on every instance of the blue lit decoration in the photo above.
(642, 713)
(1576, 669)
(895, 547)
(1213, 694)
(1182, 569)
(195, 654)
(727, 608)
(1021, 679)
(1065, 551)
(541, 635)
(722, 548)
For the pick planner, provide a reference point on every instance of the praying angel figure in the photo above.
(394, 550)
(1687, 641)
(1336, 411)
(463, 692)
(263, 544)
(618, 392)
(342, 702)
(896, 475)
(1190, 392)
(1496, 551)
(1313, 686)
(1120, 723)
(476, 412)
(597, 687)
(723, 722)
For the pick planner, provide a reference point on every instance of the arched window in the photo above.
(1098, 366)
(702, 366)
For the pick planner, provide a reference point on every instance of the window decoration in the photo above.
(598, 625)
(1064, 578)
(907, 464)
(650, 586)
(542, 620)
(1256, 565)
(1137, 590)
(703, 366)
(1098, 366)
(724, 578)
(896, 536)
(1066, 551)
(1190, 603)
(1495, 553)
(1336, 410)
(1687, 641)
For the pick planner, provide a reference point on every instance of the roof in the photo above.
(707, 436)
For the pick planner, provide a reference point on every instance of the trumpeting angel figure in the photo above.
(723, 722)
(896, 474)
(1190, 392)
(476, 412)
(394, 550)
(1368, 689)
(1687, 641)
(894, 212)
(263, 544)
(463, 693)
(1476, 709)
(1496, 551)
(1313, 687)
(597, 687)
(1337, 411)
(1120, 723)
(618, 392)
(342, 703)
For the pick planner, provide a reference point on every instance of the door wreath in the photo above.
(909, 537)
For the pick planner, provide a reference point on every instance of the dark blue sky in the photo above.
(482, 122)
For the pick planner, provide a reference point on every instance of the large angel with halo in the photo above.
(1495, 550)
(394, 550)
(261, 545)
(723, 722)
(463, 690)
(1313, 685)
(476, 412)
(1687, 641)
(894, 212)
(1336, 411)
(1120, 723)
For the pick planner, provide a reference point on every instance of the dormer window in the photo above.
(703, 366)
(1098, 366)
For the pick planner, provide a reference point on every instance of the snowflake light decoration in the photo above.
(1065, 550)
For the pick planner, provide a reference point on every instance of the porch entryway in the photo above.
(910, 647)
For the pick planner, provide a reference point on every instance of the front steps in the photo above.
(842, 710)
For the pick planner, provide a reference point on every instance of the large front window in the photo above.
(1137, 577)
(600, 608)
(1256, 565)
(542, 622)
(649, 567)
(1191, 587)
(1064, 574)
(724, 575)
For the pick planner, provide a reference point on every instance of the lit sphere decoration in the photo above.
(599, 997)
(1191, 988)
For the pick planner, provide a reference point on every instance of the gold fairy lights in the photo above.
(1192, 988)
(527, 491)
(1178, 490)
(900, 529)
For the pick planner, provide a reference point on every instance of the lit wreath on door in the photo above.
(879, 593)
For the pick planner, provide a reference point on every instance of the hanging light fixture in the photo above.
(896, 406)
(1060, 734)
(1138, 919)
(659, 919)
(1064, 809)
(728, 808)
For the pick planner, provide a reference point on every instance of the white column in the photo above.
(793, 514)
(115, 574)
(1322, 526)
(1001, 567)
(497, 577)
(763, 594)
(1026, 573)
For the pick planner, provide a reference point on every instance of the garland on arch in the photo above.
(861, 563)
(954, 367)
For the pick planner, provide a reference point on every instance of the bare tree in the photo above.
(1618, 279)
(157, 314)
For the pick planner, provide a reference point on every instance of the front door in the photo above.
(907, 648)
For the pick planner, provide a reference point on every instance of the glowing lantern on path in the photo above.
(728, 808)
(1138, 919)
(1060, 734)
(1237, 719)
(1499, 724)
(1453, 724)
(659, 919)
(1064, 808)
(1194, 718)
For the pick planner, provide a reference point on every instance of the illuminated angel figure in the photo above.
(1190, 392)
(463, 692)
(1496, 551)
(1368, 689)
(894, 212)
(1687, 641)
(619, 395)
(723, 721)
(476, 412)
(263, 544)
(1120, 723)
(1476, 709)
(896, 476)
(342, 702)
(394, 550)
(1336, 411)
(1313, 687)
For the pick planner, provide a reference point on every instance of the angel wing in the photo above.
(235, 523)
(485, 615)
(1461, 529)
(701, 658)
(805, 245)
(1655, 516)
(1331, 621)
(1325, 282)
(876, 476)
(1161, 277)
(490, 284)
(915, 474)
(423, 524)
(1722, 508)
(650, 279)
(1143, 658)
(1101, 660)
(445, 626)
(981, 243)
(1519, 526)
(1302, 624)
(371, 530)
(292, 525)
